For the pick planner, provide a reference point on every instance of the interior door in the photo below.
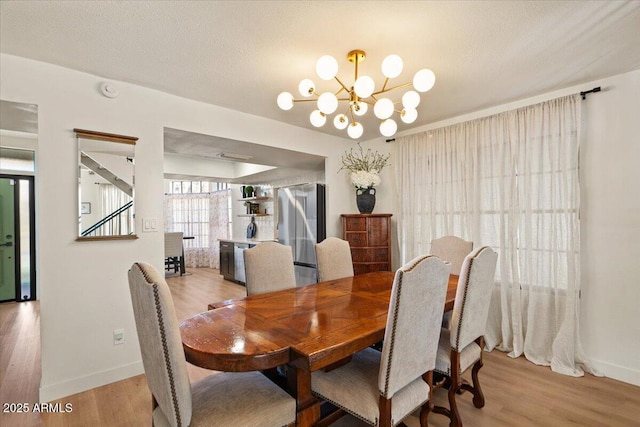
(7, 240)
(17, 238)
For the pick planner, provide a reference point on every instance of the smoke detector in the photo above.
(109, 90)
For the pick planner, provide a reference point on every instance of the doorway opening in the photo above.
(17, 238)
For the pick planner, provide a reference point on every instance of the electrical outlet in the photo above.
(118, 336)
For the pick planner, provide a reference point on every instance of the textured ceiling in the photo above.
(241, 54)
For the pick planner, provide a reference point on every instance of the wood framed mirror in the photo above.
(105, 186)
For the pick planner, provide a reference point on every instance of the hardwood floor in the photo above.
(518, 393)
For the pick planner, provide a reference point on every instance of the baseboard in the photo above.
(96, 379)
(617, 372)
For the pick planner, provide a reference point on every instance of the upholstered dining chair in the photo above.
(461, 346)
(333, 256)
(225, 399)
(452, 249)
(173, 255)
(269, 267)
(382, 388)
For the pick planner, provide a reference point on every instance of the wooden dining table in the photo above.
(306, 328)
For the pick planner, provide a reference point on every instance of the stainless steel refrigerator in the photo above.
(302, 223)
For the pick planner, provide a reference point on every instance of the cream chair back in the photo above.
(334, 259)
(173, 244)
(473, 295)
(160, 343)
(413, 324)
(269, 267)
(452, 249)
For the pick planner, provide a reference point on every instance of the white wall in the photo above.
(198, 166)
(84, 292)
(610, 224)
(610, 218)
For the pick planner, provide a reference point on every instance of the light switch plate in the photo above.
(150, 225)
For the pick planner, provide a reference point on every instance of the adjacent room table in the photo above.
(306, 328)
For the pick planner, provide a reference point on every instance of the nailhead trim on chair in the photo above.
(393, 335)
(337, 405)
(165, 349)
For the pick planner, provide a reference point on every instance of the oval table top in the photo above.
(318, 324)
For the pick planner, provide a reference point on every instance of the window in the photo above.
(190, 210)
(196, 187)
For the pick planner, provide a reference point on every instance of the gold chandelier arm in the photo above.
(305, 100)
(384, 86)
(391, 88)
(341, 89)
(341, 84)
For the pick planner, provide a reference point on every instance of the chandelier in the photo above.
(361, 95)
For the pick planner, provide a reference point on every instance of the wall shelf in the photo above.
(255, 199)
(250, 215)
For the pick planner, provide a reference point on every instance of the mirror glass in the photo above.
(105, 186)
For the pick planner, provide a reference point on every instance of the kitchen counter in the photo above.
(232, 257)
(247, 241)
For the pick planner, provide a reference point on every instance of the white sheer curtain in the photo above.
(508, 181)
(112, 199)
(204, 217)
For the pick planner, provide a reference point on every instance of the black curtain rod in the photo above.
(583, 94)
(586, 92)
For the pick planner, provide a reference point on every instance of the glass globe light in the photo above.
(340, 121)
(285, 101)
(411, 99)
(306, 88)
(327, 103)
(388, 127)
(392, 66)
(360, 108)
(327, 67)
(364, 86)
(424, 80)
(318, 118)
(383, 108)
(409, 115)
(355, 130)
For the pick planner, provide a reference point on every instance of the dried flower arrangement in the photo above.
(364, 166)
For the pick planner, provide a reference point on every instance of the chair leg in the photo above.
(478, 396)
(384, 406)
(452, 411)
(454, 386)
(427, 407)
(454, 416)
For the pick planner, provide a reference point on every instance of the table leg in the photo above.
(308, 407)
